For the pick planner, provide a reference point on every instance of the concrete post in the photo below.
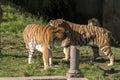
(74, 63)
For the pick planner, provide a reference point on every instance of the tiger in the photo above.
(95, 22)
(42, 38)
(94, 36)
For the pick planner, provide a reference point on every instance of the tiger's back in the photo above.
(98, 35)
(36, 33)
(89, 35)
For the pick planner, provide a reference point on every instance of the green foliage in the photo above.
(93, 73)
(15, 21)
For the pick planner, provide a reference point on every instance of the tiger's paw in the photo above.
(30, 62)
(110, 64)
(65, 59)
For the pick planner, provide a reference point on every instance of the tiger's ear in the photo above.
(50, 23)
(51, 20)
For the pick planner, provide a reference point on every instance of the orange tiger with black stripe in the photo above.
(41, 38)
(94, 36)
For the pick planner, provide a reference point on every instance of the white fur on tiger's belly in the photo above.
(38, 47)
(33, 46)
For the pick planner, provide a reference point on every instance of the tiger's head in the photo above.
(56, 22)
(60, 23)
(64, 25)
(60, 36)
(94, 22)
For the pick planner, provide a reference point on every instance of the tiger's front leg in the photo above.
(47, 57)
(30, 56)
(66, 51)
(30, 50)
(50, 57)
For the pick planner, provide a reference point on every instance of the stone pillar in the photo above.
(74, 71)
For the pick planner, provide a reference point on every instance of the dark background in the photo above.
(78, 11)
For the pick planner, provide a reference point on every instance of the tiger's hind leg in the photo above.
(107, 51)
(95, 50)
(111, 57)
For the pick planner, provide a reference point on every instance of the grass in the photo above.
(13, 59)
